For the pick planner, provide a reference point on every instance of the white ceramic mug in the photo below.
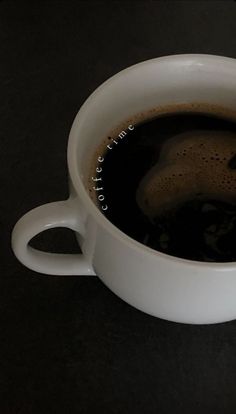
(168, 287)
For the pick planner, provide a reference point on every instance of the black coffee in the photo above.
(170, 183)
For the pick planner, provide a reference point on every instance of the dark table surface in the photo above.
(68, 344)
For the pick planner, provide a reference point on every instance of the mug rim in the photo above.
(79, 185)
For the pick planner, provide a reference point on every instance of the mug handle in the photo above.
(48, 216)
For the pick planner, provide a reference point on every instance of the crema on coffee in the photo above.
(169, 182)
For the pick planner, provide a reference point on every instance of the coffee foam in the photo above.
(191, 165)
(135, 119)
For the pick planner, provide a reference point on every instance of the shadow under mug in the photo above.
(161, 285)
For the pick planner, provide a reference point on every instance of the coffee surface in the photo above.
(191, 165)
(170, 183)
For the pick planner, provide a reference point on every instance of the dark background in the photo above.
(68, 344)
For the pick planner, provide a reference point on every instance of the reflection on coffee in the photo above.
(170, 183)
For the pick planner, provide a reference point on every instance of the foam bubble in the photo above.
(191, 164)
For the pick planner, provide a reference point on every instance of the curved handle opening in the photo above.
(47, 216)
(57, 240)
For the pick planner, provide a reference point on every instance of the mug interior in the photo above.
(171, 80)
